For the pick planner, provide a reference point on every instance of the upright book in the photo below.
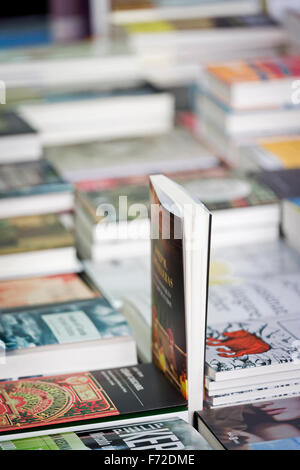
(180, 239)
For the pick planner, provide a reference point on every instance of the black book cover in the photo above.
(284, 183)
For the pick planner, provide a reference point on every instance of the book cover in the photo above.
(278, 153)
(43, 290)
(11, 125)
(73, 322)
(284, 183)
(239, 346)
(169, 348)
(254, 298)
(91, 396)
(277, 68)
(33, 233)
(172, 434)
(230, 192)
(30, 178)
(269, 425)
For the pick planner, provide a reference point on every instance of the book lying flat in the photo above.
(18, 140)
(171, 434)
(44, 290)
(79, 401)
(28, 188)
(64, 337)
(241, 349)
(36, 245)
(254, 84)
(270, 425)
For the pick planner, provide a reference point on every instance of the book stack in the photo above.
(241, 101)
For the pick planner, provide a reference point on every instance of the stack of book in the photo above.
(179, 46)
(241, 101)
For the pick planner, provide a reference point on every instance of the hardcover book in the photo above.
(269, 425)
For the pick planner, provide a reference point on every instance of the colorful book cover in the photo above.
(65, 399)
(254, 71)
(33, 233)
(75, 322)
(169, 349)
(30, 178)
(285, 152)
(269, 425)
(257, 344)
(43, 290)
(172, 434)
(11, 124)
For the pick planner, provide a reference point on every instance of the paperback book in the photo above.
(270, 425)
(29, 188)
(64, 337)
(171, 434)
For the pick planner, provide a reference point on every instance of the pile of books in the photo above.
(242, 101)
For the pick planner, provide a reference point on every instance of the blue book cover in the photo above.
(66, 323)
(30, 178)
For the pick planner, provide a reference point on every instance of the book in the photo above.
(253, 84)
(237, 201)
(65, 337)
(18, 140)
(171, 434)
(284, 183)
(232, 32)
(176, 151)
(36, 246)
(180, 246)
(291, 221)
(131, 12)
(87, 400)
(249, 123)
(100, 115)
(244, 348)
(29, 188)
(270, 425)
(44, 290)
(254, 298)
(272, 154)
(33, 71)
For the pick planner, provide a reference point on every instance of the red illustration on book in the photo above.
(239, 343)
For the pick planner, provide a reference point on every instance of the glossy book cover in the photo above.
(90, 396)
(66, 323)
(169, 349)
